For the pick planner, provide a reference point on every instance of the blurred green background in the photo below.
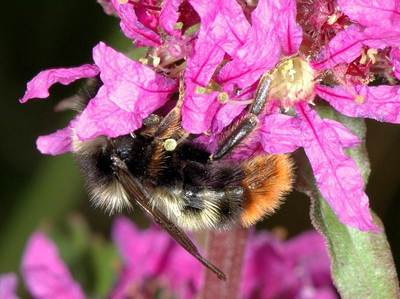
(48, 193)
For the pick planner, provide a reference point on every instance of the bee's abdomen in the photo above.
(267, 179)
(194, 207)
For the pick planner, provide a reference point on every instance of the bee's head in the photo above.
(134, 150)
(99, 160)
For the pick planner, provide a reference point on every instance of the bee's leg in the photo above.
(247, 124)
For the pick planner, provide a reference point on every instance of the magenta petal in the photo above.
(337, 176)
(169, 16)
(108, 7)
(199, 108)
(395, 58)
(379, 38)
(39, 86)
(8, 286)
(289, 32)
(223, 23)
(280, 134)
(267, 272)
(251, 60)
(378, 102)
(367, 12)
(169, 262)
(347, 45)
(103, 117)
(45, 274)
(223, 29)
(343, 48)
(125, 284)
(136, 246)
(346, 137)
(56, 143)
(133, 28)
(131, 85)
(309, 252)
(298, 268)
(226, 115)
(183, 273)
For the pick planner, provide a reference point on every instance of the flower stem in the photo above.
(226, 249)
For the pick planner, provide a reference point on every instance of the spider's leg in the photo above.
(247, 124)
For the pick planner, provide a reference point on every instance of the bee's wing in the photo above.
(140, 195)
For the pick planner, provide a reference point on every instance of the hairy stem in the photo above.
(226, 250)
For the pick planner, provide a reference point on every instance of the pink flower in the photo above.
(153, 255)
(107, 6)
(350, 54)
(130, 92)
(154, 263)
(161, 25)
(8, 286)
(44, 272)
(298, 268)
(149, 257)
(332, 53)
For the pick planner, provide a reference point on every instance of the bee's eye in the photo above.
(104, 163)
(124, 154)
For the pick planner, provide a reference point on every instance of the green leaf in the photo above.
(361, 262)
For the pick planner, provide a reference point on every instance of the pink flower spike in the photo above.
(131, 85)
(45, 274)
(8, 286)
(56, 143)
(395, 58)
(39, 86)
(133, 28)
(372, 13)
(377, 102)
(337, 176)
(169, 16)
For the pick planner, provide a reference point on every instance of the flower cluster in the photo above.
(154, 263)
(317, 50)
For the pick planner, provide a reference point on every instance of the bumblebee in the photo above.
(181, 185)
